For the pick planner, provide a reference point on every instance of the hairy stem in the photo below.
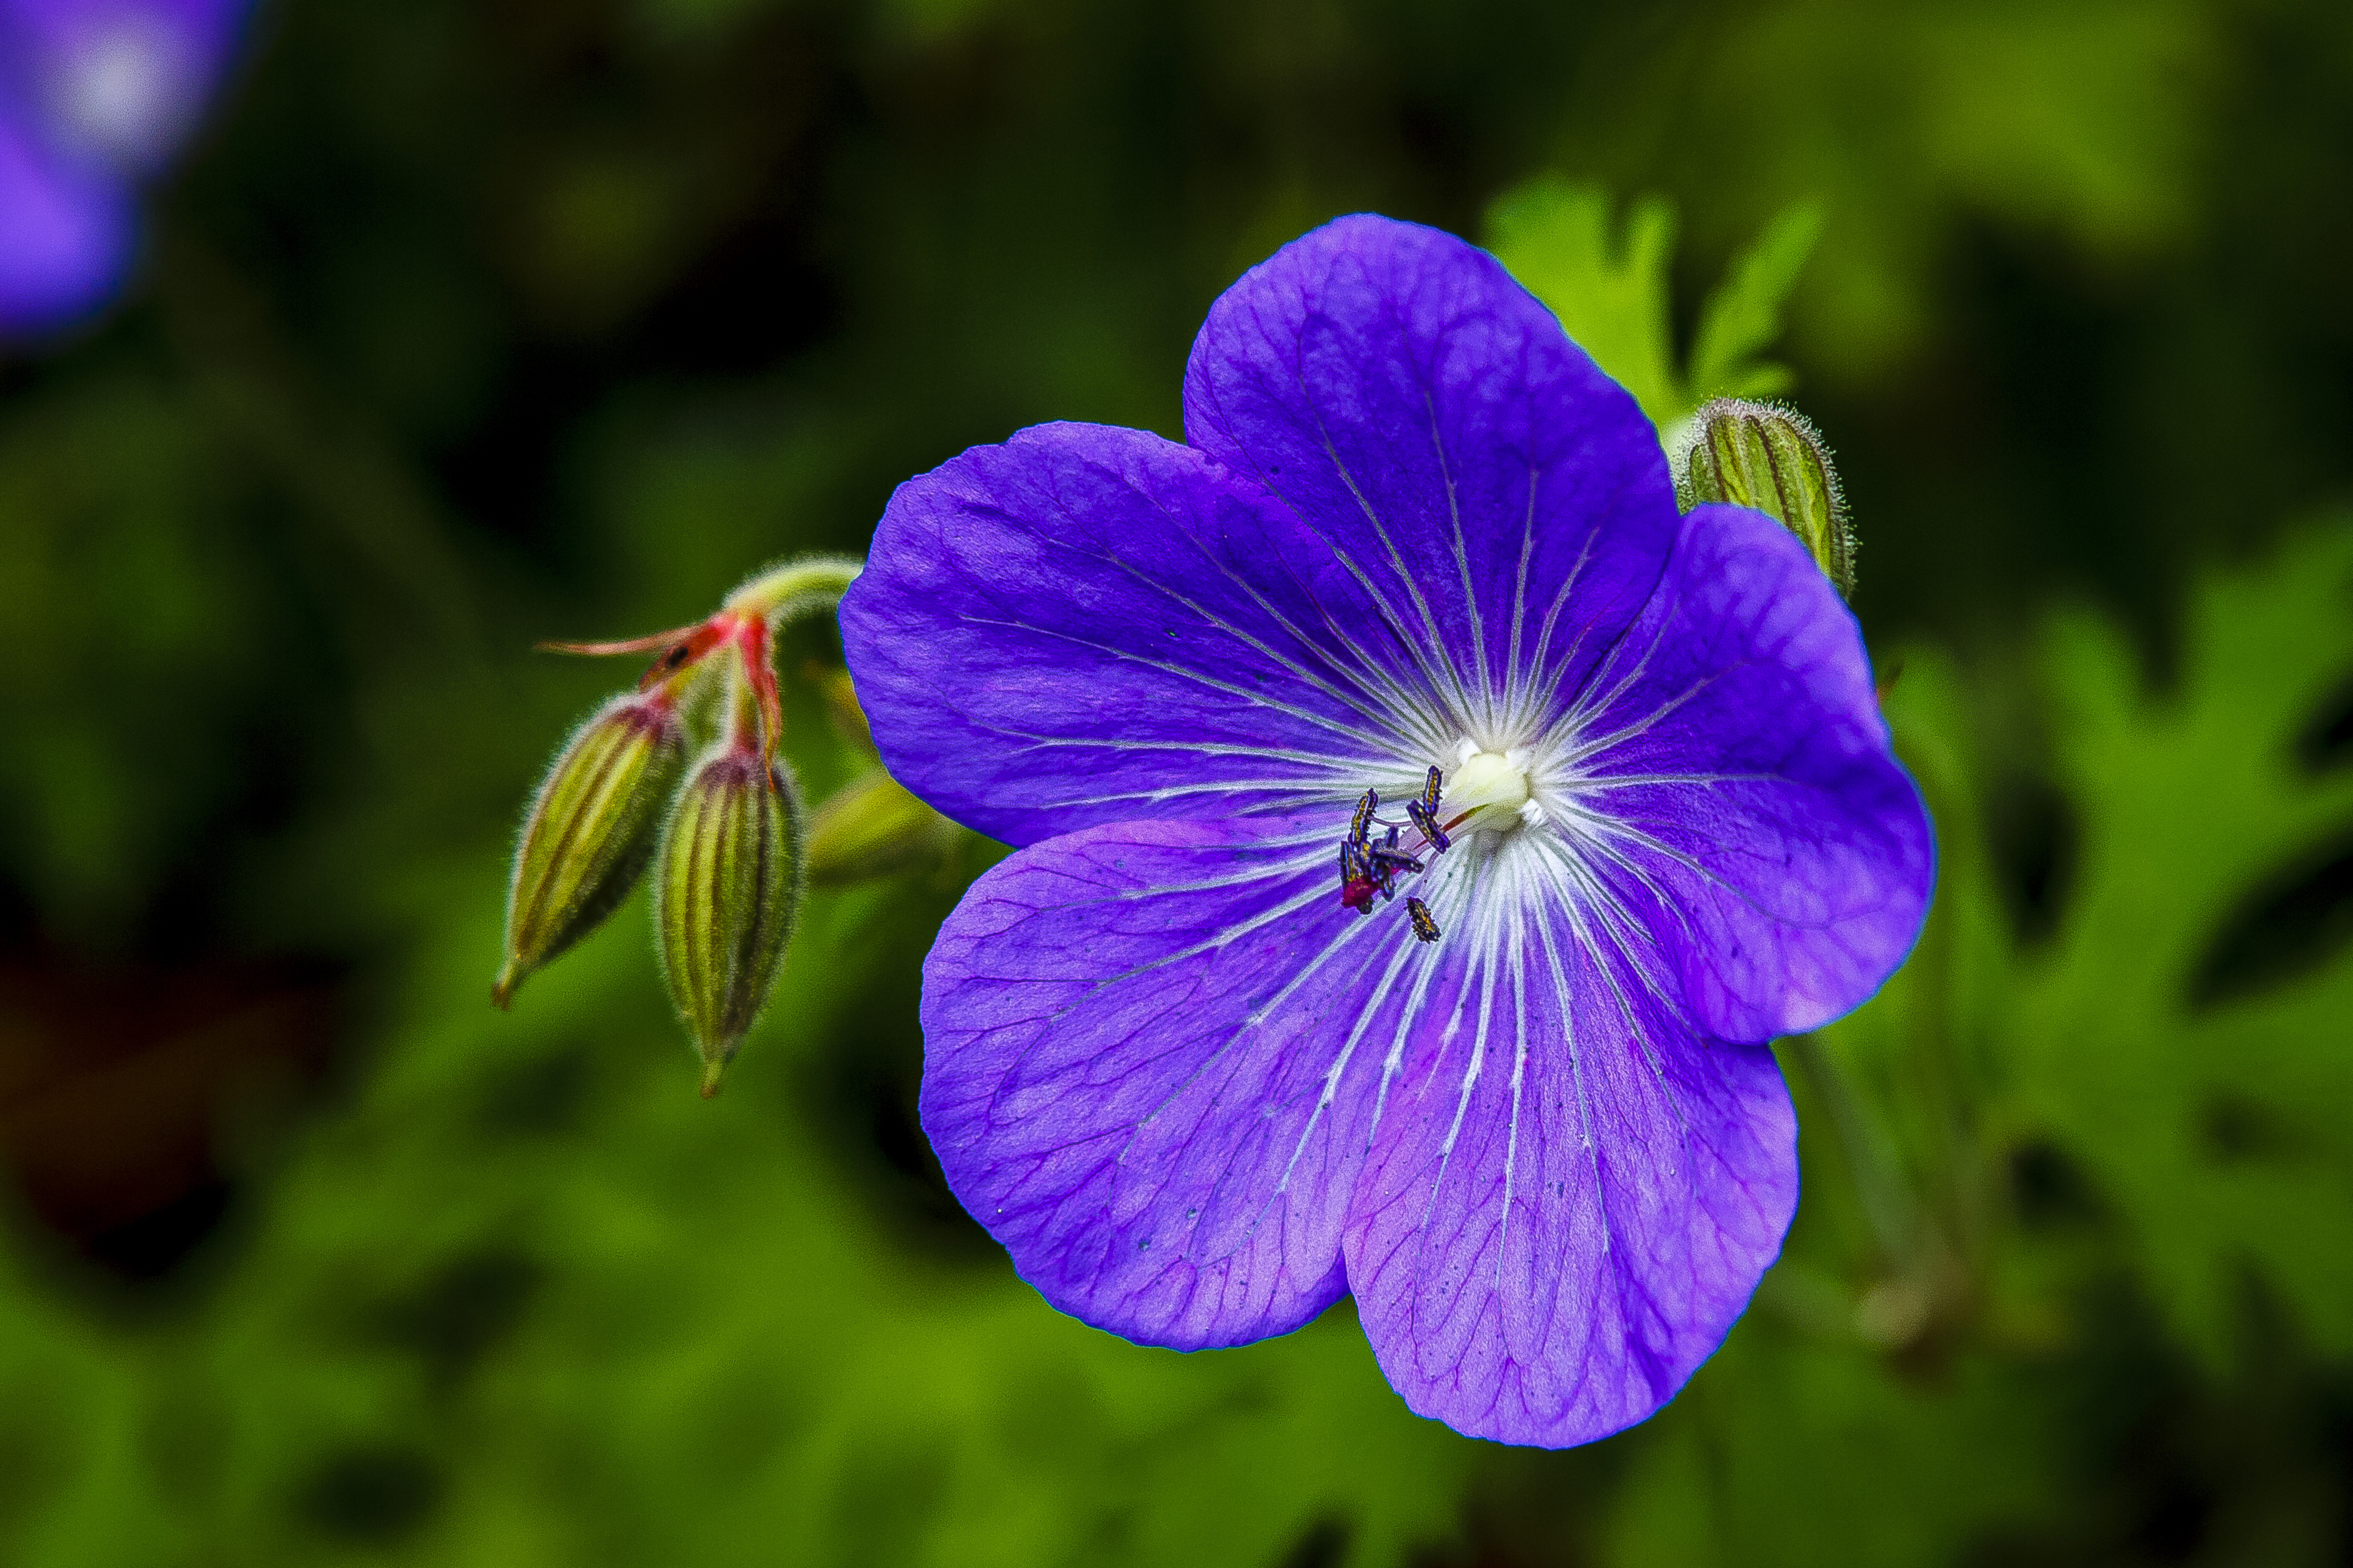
(794, 587)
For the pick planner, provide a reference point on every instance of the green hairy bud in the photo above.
(727, 896)
(1771, 458)
(591, 831)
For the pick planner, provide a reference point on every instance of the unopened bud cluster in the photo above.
(1771, 458)
(734, 848)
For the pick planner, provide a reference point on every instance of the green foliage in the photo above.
(1909, 121)
(1743, 317)
(110, 481)
(2215, 1124)
(1610, 289)
(1771, 458)
(529, 1299)
(1795, 1453)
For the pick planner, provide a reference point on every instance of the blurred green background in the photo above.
(471, 322)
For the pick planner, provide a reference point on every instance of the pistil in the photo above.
(1489, 791)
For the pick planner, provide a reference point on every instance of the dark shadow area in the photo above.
(371, 1495)
(114, 1085)
(2286, 928)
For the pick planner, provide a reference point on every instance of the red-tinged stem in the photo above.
(745, 623)
(753, 645)
(716, 632)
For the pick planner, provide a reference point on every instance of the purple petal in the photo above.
(1504, 502)
(1570, 1196)
(1089, 624)
(1782, 857)
(1150, 1056)
(65, 235)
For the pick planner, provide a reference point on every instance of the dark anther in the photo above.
(1367, 867)
(1425, 924)
(1359, 880)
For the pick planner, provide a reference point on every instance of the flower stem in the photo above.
(792, 587)
(744, 729)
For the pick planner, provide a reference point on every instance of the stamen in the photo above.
(1425, 924)
(1369, 868)
(1491, 794)
(1359, 880)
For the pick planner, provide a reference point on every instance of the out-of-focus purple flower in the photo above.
(1226, 1039)
(95, 96)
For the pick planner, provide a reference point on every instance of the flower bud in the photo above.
(1770, 458)
(590, 832)
(727, 896)
(873, 827)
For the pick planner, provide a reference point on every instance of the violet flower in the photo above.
(95, 97)
(1188, 1054)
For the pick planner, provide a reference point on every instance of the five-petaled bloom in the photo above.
(1188, 1054)
(95, 95)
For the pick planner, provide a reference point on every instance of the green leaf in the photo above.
(1743, 318)
(1608, 285)
(2219, 1132)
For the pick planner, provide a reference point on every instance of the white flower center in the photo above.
(1489, 792)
